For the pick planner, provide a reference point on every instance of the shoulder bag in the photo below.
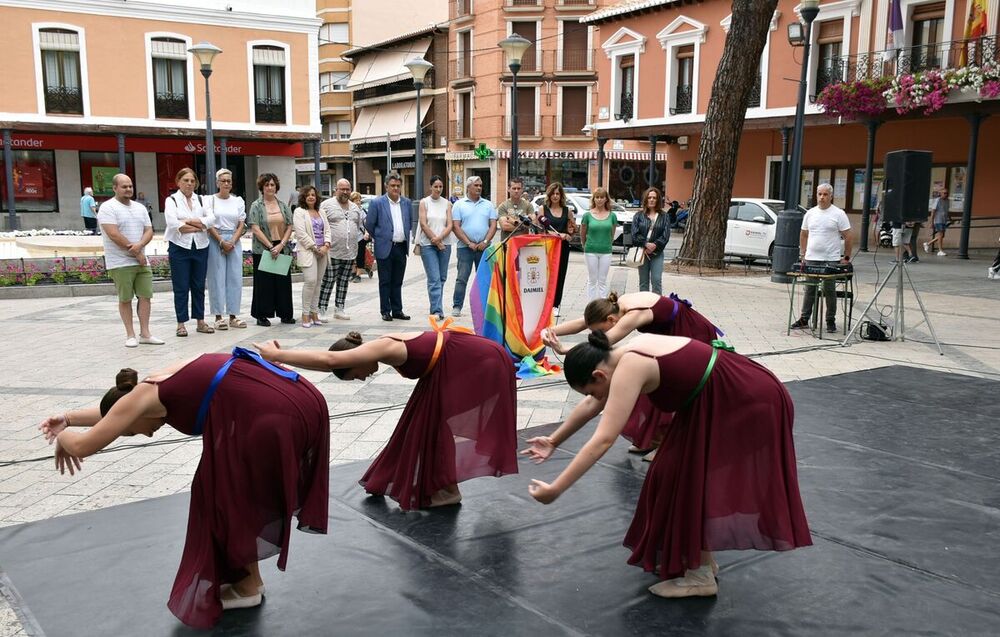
(636, 255)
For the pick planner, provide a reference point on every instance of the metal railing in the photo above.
(270, 111)
(392, 88)
(574, 3)
(170, 106)
(625, 107)
(528, 125)
(682, 99)
(64, 99)
(522, 3)
(463, 8)
(576, 60)
(890, 63)
(463, 130)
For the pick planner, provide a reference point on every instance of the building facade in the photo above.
(659, 62)
(556, 100)
(386, 113)
(95, 87)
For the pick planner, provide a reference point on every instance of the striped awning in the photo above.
(550, 154)
(633, 155)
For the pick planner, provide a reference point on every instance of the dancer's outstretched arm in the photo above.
(543, 446)
(382, 350)
(628, 323)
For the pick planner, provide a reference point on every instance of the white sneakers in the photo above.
(942, 253)
(991, 273)
(341, 315)
(927, 247)
(142, 340)
(456, 311)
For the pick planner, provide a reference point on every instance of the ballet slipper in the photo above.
(634, 449)
(695, 583)
(231, 599)
(445, 498)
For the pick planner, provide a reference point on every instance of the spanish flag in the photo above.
(975, 28)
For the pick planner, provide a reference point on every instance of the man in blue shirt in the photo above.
(475, 223)
(88, 210)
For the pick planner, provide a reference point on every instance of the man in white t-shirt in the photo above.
(823, 226)
(127, 229)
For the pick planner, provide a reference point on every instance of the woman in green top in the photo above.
(597, 231)
(270, 221)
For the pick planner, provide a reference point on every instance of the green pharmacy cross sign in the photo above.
(483, 151)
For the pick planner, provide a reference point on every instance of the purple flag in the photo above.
(896, 24)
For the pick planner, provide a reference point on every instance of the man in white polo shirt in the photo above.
(127, 229)
(823, 226)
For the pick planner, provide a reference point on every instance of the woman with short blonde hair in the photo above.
(225, 253)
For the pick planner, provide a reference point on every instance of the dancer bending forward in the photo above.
(644, 312)
(725, 477)
(458, 424)
(265, 458)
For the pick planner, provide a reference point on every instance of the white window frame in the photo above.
(765, 59)
(842, 10)
(36, 43)
(559, 111)
(472, 107)
(559, 51)
(252, 96)
(908, 6)
(538, 35)
(671, 40)
(151, 85)
(331, 41)
(616, 47)
(347, 75)
(506, 87)
(472, 47)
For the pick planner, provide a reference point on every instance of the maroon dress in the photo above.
(672, 316)
(265, 458)
(725, 475)
(459, 423)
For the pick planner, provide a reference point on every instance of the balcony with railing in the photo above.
(170, 105)
(270, 111)
(683, 94)
(755, 93)
(392, 88)
(529, 125)
(522, 3)
(461, 68)
(575, 61)
(66, 100)
(625, 108)
(984, 51)
(463, 8)
(576, 3)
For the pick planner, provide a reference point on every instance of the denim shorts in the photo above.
(940, 227)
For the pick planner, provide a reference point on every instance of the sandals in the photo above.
(181, 331)
(238, 323)
(221, 324)
(205, 328)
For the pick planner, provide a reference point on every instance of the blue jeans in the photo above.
(225, 276)
(436, 268)
(467, 258)
(188, 269)
(652, 272)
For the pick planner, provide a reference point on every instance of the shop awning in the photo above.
(382, 67)
(394, 120)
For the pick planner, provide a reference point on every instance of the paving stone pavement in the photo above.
(63, 353)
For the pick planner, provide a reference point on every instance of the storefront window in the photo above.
(98, 169)
(167, 167)
(627, 181)
(34, 181)
(539, 173)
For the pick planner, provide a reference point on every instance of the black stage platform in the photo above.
(899, 470)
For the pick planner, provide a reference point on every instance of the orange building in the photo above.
(92, 86)
(659, 62)
(557, 90)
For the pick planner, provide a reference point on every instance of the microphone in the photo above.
(524, 219)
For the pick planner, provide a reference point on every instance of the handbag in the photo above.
(416, 249)
(636, 255)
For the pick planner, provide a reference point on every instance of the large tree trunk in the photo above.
(705, 238)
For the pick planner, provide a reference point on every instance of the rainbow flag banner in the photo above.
(511, 299)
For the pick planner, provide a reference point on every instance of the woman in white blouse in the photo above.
(187, 248)
(312, 238)
(435, 242)
(225, 253)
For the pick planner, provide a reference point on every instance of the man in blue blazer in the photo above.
(388, 223)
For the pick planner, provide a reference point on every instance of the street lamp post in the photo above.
(418, 68)
(514, 47)
(205, 53)
(786, 239)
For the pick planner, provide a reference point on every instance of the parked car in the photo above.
(751, 226)
(579, 201)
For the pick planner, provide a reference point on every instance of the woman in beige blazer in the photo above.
(312, 236)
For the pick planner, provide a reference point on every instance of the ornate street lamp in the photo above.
(786, 239)
(205, 53)
(418, 68)
(514, 47)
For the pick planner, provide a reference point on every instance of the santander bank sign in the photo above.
(192, 147)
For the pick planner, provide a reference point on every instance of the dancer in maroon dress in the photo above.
(725, 477)
(618, 317)
(458, 424)
(265, 458)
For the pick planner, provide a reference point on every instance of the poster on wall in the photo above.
(101, 177)
(29, 182)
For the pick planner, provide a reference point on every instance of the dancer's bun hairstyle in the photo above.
(583, 359)
(125, 381)
(352, 340)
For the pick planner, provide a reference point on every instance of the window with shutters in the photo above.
(269, 84)
(527, 112)
(829, 45)
(333, 81)
(528, 31)
(684, 86)
(170, 62)
(60, 53)
(625, 99)
(334, 33)
(574, 111)
(575, 52)
(463, 121)
(926, 50)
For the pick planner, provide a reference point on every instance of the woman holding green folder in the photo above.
(270, 222)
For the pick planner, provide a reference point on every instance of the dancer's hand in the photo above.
(541, 448)
(552, 341)
(65, 461)
(51, 427)
(268, 349)
(543, 491)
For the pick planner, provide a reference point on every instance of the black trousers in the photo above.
(90, 223)
(390, 279)
(561, 281)
(360, 261)
(272, 294)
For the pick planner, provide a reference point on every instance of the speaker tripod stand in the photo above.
(898, 270)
